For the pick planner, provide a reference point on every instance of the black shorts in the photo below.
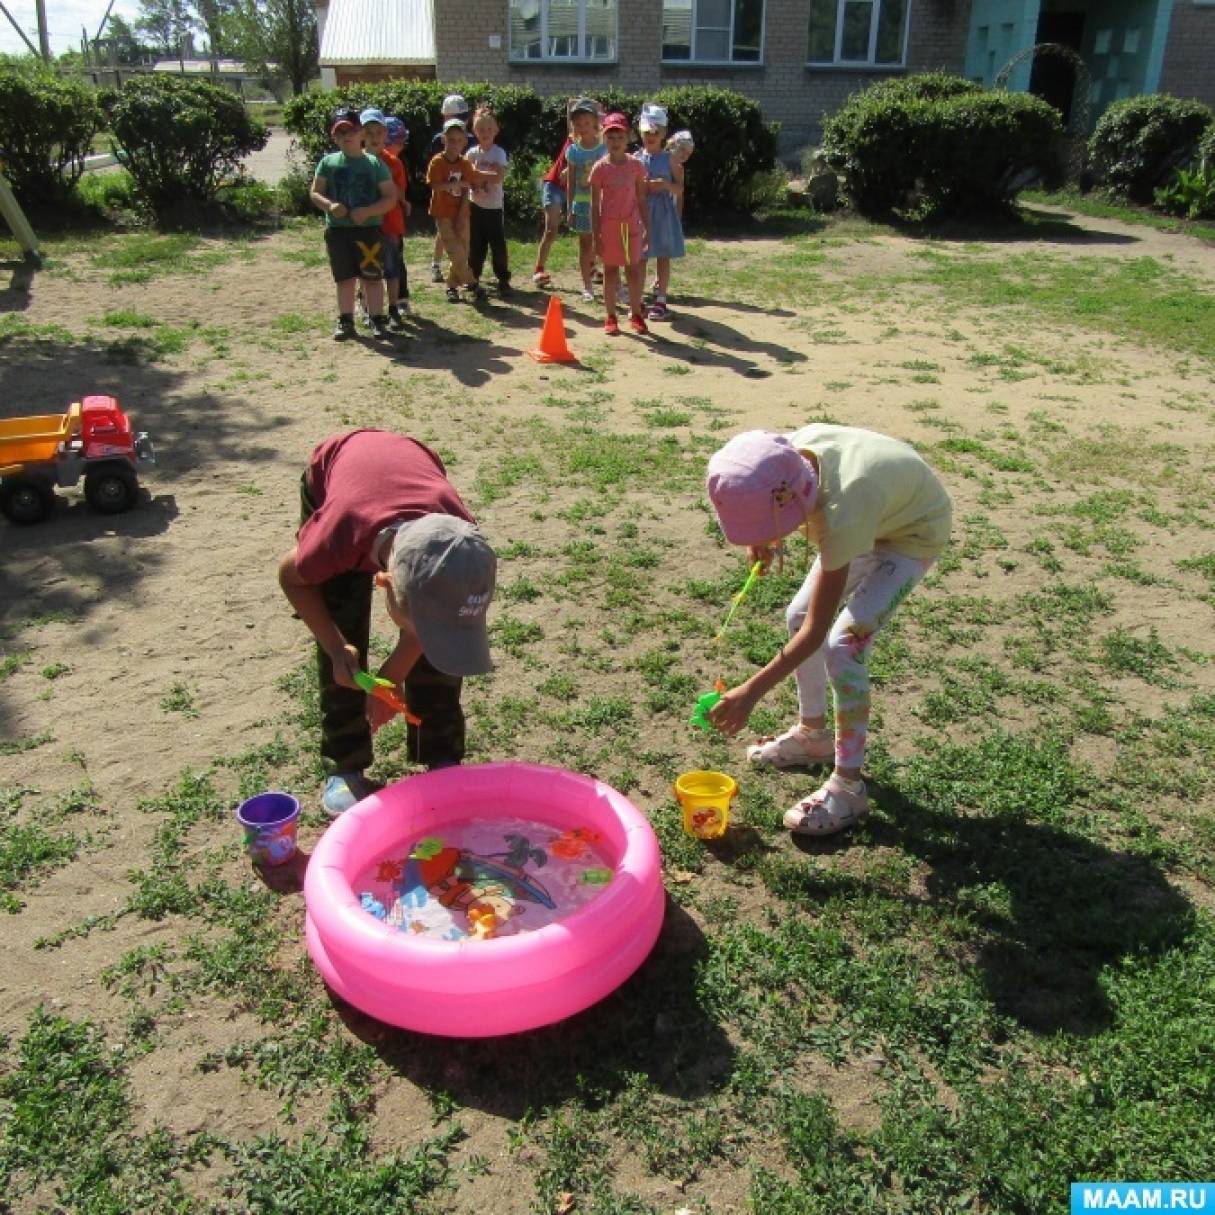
(355, 253)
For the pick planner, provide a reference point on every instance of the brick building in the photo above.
(798, 58)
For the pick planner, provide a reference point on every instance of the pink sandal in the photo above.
(793, 749)
(831, 809)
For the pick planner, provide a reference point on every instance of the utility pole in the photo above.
(21, 33)
(44, 41)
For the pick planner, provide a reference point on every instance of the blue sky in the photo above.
(63, 19)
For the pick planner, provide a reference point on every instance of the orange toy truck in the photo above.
(93, 439)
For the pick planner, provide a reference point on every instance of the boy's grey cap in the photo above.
(445, 569)
(452, 123)
(584, 105)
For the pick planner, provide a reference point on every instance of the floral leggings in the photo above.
(877, 584)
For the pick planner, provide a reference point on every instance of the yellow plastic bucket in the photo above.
(705, 798)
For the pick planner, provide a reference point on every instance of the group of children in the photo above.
(624, 208)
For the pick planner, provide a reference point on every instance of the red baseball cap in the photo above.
(616, 122)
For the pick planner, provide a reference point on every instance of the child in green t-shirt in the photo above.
(354, 191)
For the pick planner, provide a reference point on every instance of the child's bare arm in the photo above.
(321, 200)
(731, 712)
(677, 184)
(309, 603)
(596, 227)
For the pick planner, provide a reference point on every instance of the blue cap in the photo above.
(372, 115)
(398, 132)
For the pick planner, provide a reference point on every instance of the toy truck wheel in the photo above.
(24, 500)
(111, 490)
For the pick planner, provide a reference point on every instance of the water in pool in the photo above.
(484, 878)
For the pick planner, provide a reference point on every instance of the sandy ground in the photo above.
(183, 589)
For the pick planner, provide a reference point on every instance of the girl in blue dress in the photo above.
(664, 182)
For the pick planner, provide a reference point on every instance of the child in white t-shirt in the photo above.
(879, 517)
(487, 215)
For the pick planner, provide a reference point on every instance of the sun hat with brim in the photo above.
(372, 114)
(444, 570)
(761, 487)
(615, 122)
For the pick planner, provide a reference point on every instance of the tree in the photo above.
(123, 41)
(215, 19)
(278, 38)
(165, 23)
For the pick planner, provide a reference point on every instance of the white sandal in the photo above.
(793, 749)
(828, 811)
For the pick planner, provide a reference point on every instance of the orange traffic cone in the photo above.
(553, 348)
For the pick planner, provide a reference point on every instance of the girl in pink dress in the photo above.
(620, 222)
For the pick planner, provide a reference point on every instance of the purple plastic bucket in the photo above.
(270, 821)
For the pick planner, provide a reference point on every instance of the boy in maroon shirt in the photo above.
(378, 510)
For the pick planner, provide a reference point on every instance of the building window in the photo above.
(563, 30)
(858, 31)
(712, 31)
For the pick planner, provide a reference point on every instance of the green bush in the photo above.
(179, 139)
(522, 191)
(938, 146)
(47, 125)
(733, 141)
(1140, 142)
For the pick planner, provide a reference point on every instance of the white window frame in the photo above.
(693, 61)
(545, 57)
(870, 63)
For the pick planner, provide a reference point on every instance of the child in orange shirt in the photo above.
(375, 136)
(450, 176)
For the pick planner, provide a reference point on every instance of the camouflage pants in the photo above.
(431, 695)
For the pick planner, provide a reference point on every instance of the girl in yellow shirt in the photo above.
(880, 517)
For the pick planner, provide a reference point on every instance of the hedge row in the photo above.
(179, 139)
(938, 146)
(733, 142)
(1140, 143)
(47, 125)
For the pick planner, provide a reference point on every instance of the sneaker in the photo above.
(795, 748)
(588, 296)
(343, 790)
(436, 272)
(611, 327)
(395, 322)
(657, 311)
(503, 288)
(479, 294)
(343, 331)
(403, 308)
(453, 296)
(637, 324)
(379, 329)
(838, 805)
(542, 278)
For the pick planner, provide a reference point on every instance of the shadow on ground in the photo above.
(1051, 909)
(653, 1024)
(78, 559)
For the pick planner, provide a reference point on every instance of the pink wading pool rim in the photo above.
(483, 988)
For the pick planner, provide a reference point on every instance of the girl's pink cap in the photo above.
(761, 486)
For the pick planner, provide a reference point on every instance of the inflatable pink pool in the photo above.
(484, 900)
